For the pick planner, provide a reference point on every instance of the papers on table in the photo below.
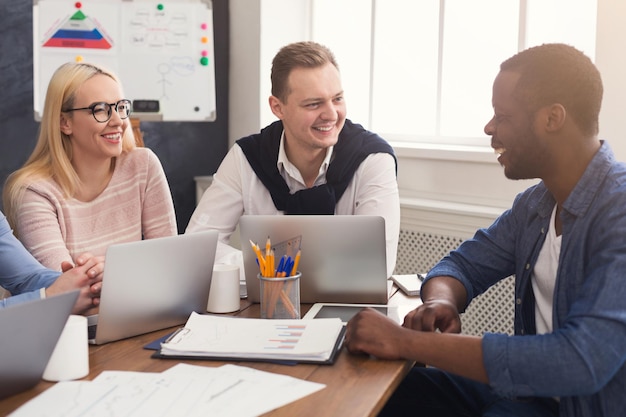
(183, 390)
(208, 336)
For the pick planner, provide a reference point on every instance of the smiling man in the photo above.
(563, 239)
(311, 161)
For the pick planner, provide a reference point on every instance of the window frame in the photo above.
(429, 146)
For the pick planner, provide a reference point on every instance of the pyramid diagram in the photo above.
(78, 31)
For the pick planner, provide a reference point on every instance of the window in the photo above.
(422, 71)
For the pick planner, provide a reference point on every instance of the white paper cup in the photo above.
(224, 293)
(70, 358)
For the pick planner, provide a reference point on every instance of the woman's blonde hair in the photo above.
(52, 156)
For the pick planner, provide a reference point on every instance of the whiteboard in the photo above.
(163, 52)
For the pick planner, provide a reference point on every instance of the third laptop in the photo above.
(153, 284)
(343, 258)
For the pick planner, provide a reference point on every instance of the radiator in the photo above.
(490, 312)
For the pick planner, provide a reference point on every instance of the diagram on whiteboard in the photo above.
(78, 31)
(162, 51)
(157, 29)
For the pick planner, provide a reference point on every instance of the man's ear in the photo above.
(276, 106)
(555, 117)
(66, 125)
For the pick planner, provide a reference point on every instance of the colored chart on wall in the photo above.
(163, 52)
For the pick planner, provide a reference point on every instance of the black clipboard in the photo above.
(286, 361)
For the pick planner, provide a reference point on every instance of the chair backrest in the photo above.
(135, 124)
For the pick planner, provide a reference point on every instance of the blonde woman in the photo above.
(86, 185)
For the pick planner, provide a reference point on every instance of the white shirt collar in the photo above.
(285, 166)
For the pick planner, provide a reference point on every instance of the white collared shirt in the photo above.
(236, 190)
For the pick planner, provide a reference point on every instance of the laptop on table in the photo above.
(343, 258)
(30, 332)
(153, 284)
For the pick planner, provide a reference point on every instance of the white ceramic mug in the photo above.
(70, 358)
(224, 292)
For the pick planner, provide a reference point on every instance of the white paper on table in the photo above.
(187, 390)
(263, 391)
(228, 337)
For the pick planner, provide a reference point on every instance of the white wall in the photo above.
(611, 60)
(245, 80)
(442, 189)
(258, 29)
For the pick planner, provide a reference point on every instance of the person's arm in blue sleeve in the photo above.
(27, 279)
(20, 273)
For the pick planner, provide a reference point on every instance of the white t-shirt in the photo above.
(544, 278)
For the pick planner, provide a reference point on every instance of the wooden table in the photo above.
(356, 385)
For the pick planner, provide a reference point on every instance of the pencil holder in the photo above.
(280, 297)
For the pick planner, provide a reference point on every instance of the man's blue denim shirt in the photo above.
(582, 360)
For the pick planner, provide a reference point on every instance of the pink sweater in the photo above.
(137, 203)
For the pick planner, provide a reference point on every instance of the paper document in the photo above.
(233, 337)
(410, 284)
(183, 390)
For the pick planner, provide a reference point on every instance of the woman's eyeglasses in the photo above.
(102, 111)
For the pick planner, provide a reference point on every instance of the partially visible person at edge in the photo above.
(26, 279)
(86, 185)
(563, 239)
(311, 161)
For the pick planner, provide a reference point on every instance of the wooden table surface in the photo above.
(356, 385)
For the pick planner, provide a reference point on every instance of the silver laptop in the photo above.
(30, 332)
(343, 258)
(153, 284)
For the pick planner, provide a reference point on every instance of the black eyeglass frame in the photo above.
(108, 107)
